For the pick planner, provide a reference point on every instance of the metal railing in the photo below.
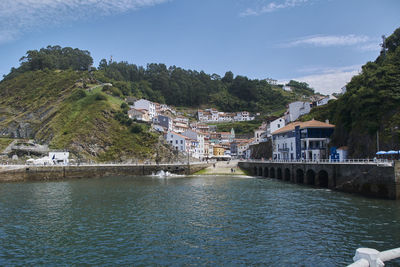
(385, 162)
(369, 257)
(12, 165)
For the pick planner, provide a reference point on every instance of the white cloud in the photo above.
(19, 16)
(371, 47)
(330, 40)
(271, 7)
(329, 80)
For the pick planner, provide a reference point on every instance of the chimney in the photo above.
(327, 121)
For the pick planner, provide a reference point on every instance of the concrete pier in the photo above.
(368, 179)
(11, 173)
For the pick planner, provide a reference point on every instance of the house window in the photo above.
(176, 141)
(279, 126)
(181, 142)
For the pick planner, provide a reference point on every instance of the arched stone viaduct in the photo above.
(368, 179)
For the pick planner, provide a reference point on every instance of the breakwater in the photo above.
(49, 173)
(367, 179)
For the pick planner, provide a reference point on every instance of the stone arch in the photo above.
(323, 179)
(266, 172)
(272, 172)
(310, 175)
(299, 176)
(279, 173)
(287, 174)
(260, 171)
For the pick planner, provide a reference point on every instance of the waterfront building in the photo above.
(239, 147)
(218, 151)
(302, 140)
(147, 105)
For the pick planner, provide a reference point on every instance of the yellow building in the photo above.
(218, 151)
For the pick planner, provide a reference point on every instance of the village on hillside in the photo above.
(198, 137)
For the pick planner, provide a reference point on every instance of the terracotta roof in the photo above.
(303, 125)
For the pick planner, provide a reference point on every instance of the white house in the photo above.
(243, 116)
(182, 119)
(297, 109)
(139, 114)
(147, 105)
(302, 140)
(287, 88)
(178, 141)
(275, 125)
(199, 137)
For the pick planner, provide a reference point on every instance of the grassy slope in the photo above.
(86, 126)
(4, 143)
(240, 127)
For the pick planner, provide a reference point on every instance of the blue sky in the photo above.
(322, 42)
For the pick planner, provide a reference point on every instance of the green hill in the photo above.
(370, 109)
(56, 98)
(51, 107)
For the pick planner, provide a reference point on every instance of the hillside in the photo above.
(55, 97)
(51, 107)
(370, 109)
(188, 88)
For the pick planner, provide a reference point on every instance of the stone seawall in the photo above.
(49, 173)
(374, 180)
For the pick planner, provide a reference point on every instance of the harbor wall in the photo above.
(50, 173)
(373, 180)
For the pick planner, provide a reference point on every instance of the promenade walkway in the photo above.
(223, 168)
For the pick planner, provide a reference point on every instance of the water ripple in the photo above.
(188, 221)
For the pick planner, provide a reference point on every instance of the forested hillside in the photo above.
(188, 88)
(370, 109)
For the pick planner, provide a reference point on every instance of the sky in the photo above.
(321, 42)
